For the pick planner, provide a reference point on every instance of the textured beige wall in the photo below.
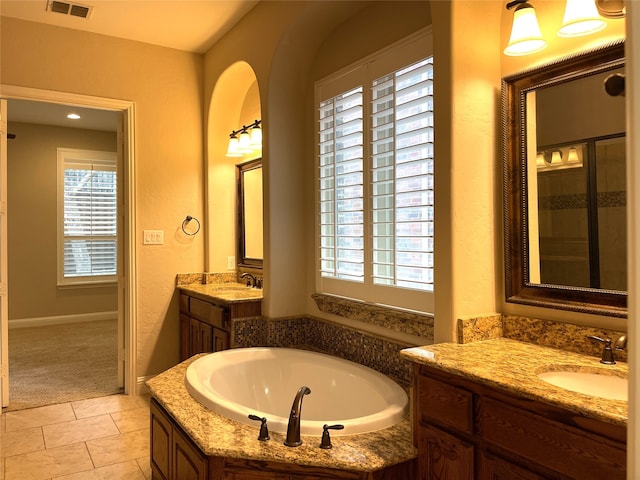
(165, 85)
(33, 227)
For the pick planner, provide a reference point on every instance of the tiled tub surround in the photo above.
(325, 336)
(221, 437)
(512, 366)
(547, 333)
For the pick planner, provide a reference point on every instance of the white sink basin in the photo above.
(595, 384)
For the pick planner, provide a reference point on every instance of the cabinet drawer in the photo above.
(206, 312)
(559, 447)
(445, 404)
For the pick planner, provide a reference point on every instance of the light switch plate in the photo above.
(231, 262)
(153, 237)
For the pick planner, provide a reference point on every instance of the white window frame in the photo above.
(406, 52)
(92, 159)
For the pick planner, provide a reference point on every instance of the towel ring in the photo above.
(186, 221)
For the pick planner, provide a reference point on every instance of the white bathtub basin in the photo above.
(264, 381)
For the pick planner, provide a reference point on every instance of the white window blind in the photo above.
(376, 178)
(89, 217)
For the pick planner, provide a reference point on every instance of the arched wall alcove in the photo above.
(235, 102)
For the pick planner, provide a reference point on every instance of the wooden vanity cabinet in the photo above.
(205, 325)
(174, 456)
(466, 430)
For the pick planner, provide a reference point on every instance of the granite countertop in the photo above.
(223, 292)
(512, 366)
(219, 436)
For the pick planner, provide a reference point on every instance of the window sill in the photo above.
(69, 286)
(403, 321)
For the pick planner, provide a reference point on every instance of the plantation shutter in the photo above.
(403, 177)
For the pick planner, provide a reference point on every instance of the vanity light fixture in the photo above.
(559, 158)
(581, 17)
(525, 37)
(247, 139)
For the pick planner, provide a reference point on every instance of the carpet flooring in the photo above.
(62, 363)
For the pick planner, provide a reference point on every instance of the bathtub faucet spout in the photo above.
(293, 429)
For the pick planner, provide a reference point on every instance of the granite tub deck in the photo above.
(512, 366)
(218, 436)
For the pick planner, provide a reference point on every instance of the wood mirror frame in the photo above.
(245, 230)
(518, 288)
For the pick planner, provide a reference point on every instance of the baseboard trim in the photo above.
(62, 319)
(141, 388)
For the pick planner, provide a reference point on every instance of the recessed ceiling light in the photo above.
(73, 116)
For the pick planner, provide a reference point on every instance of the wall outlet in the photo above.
(231, 262)
(153, 237)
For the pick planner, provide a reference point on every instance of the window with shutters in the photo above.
(375, 178)
(87, 217)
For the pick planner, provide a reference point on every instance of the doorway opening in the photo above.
(66, 342)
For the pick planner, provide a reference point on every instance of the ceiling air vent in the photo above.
(66, 8)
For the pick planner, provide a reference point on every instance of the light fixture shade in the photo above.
(572, 156)
(556, 157)
(540, 162)
(581, 18)
(244, 142)
(526, 37)
(256, 137)
(232, 149)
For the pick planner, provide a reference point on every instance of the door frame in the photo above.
(127, 277)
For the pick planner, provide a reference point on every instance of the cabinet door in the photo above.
(443, 456)
(494, 468)
(194, 336)
(161, 439)
(189, 463)
(220, 340)
(206, 338)
(185, 341)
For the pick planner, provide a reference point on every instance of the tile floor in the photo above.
(96, 439)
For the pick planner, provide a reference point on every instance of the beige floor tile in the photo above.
(145, 465)
(21, 441)
(48, 463)
(119, 471)
(99, 406)
(37, 417)
(1, 468)
(79, 431)
(131, 420)
(126, 446)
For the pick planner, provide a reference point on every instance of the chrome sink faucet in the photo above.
(293, 428)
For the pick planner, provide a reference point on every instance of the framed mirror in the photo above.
(564, 184)
(249, 214)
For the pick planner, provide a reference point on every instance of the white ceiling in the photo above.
(189, 25)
